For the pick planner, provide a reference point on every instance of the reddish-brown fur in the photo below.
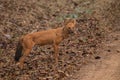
(52, 37)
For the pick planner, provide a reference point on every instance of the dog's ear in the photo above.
(73, 21)
(66, 21)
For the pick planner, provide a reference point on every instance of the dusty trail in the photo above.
(106, 68)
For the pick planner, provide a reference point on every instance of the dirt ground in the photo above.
(108, 66)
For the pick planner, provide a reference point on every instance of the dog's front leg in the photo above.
(56, 54)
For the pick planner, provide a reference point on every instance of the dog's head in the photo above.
(69, 26)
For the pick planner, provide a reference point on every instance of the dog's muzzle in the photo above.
(71, 32)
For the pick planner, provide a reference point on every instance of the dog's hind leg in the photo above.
(26, 50)
(26, 53)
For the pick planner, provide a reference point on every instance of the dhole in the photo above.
(51, 36)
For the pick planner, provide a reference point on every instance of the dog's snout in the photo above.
(71, 32)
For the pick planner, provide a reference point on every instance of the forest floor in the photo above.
(89, 55)
(108, 66)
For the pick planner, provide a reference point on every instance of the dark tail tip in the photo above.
(18, 53)
(17, 58)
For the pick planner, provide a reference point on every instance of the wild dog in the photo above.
(51, 36)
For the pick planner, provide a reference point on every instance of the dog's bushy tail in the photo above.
(18, 52)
